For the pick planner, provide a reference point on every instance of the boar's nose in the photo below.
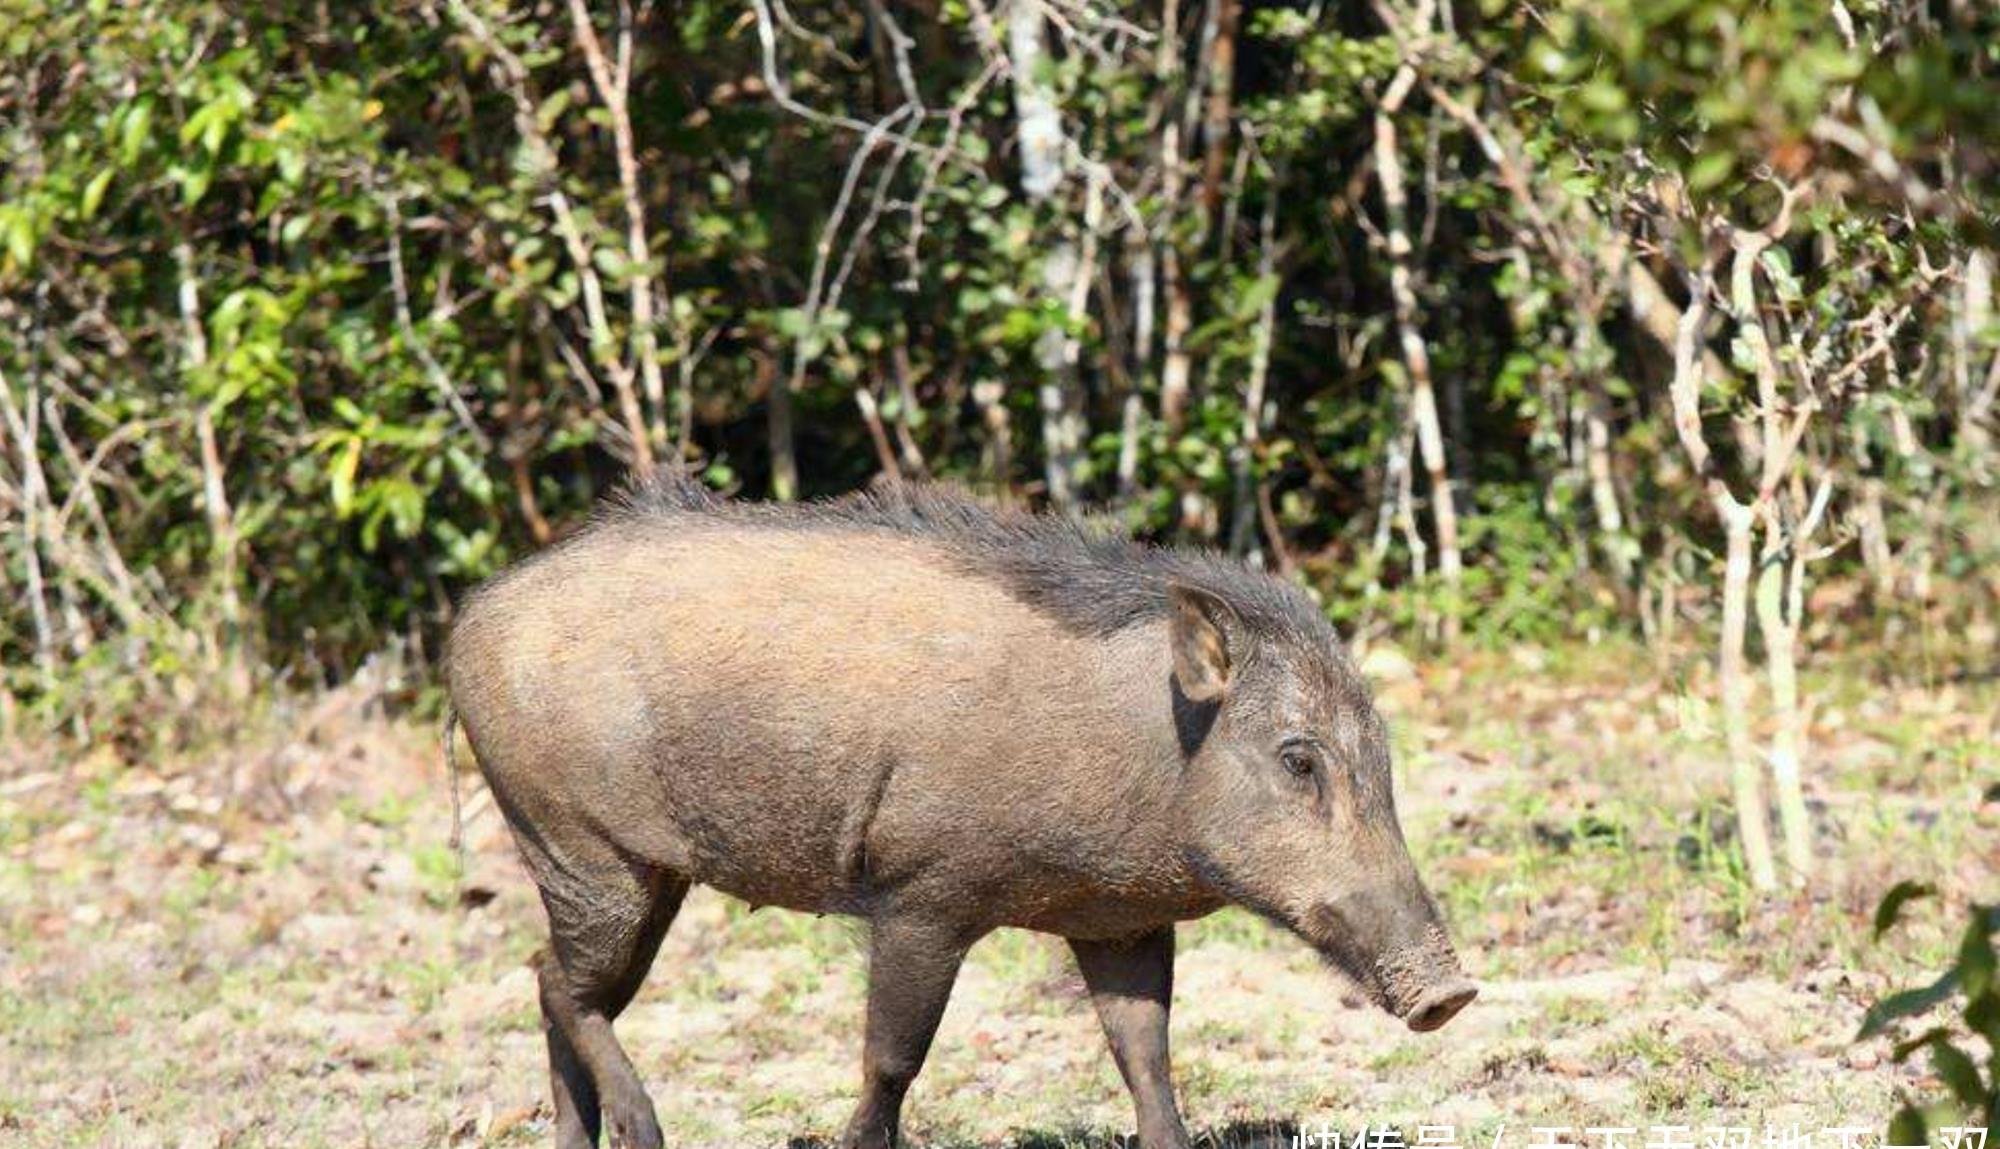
(1440, 1005)
(1424, 984)
(1393, 943)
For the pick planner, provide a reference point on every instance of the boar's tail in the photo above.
(451, 775)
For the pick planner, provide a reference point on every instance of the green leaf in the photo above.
(344, 468)
(1975, 955)
(1710, 170)
(19, 229)
(196, 124)
(1909, 1003)
(1982, 1016)
(552, 109)
(194, 183)
(1903, 1049)
(1777, 264)
(470, 475)
(1907, 1127)
(1958, 1072)
(1260, 291)
(404, 503)
(93, 194)
(1899, 895)
(291, 164)
(789, 322)
(133, 131)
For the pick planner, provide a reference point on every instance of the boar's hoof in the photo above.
(1441, 1005)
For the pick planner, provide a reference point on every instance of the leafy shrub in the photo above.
(1972, 1097)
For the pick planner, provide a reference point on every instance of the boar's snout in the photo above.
(1397, 949)
(1441, 1005)
(1423, 984)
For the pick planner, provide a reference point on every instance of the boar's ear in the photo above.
(1199, 631)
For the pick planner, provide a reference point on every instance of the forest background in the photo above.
(1490, 323)
(1664, 330)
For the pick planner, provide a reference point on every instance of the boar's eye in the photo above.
(1299, 761)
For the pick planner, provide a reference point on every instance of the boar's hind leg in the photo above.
(1131, 982)
(912, 963)
(603, 932)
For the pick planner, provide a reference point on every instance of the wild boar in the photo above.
(941, 718)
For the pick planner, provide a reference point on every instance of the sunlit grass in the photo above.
(1573, 826)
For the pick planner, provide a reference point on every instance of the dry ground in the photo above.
(270, 944)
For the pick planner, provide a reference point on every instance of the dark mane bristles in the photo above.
(1086, 573)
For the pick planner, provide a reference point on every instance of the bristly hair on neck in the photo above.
(1087, 573)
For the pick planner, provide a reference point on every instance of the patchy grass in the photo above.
(188, 960)
(1589, 812)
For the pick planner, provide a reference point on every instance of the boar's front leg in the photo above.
(912, 962)
(1131, 982)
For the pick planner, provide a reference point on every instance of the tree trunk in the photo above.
(1177, 367)
(878, 434)
(1069, 265)
(517, 447)
(612, 79)
(1389, 509)
(991, 399)
(1037, 123)
(1133, 418)
(1978, 390)
(214, 490)
(1065, 431)
(1753, 821)
(1416, 355)
(1221, 90)
(1872, 526)
(1603, 490)
(778, 427)
(1777, 451)
(1777, 621)
(32, 495)
(907, 451)
(1243, 514)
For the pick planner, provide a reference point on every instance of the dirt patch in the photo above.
(179, 969)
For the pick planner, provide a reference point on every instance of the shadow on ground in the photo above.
(1269, 1133)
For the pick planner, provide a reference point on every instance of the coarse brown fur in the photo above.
(941, 718)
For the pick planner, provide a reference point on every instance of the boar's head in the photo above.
(1288, 804)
